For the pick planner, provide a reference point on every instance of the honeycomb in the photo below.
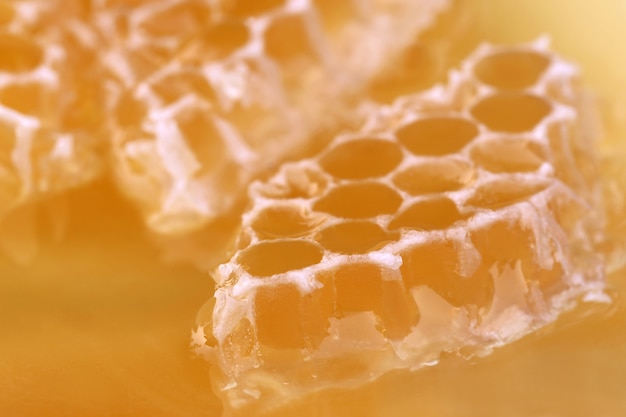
(50, 136)
(453, 222)
(208, 95)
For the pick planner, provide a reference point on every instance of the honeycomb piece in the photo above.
(49, 122)
(211, 94)
(455, 221)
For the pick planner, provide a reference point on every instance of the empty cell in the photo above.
(509, 242)
(359, 200)
(354, 237)
(435, 176)
(7, 14)
(19, 54)
(433, 213)
(358, 287)
(362, 158)
(247, 8)
(129, 111)
(285, 221)
(504, 192)
(436, 265)
(240, 343)
(512, 70)
(203, 138)
(178, 20)
(287, 319)
(508, 155)
(436, 136)
(511, 112)
(361, 287)
(224, 38)
(175, 86)
(287, 38)
(28, 98)
(275, 257)
(335, 14)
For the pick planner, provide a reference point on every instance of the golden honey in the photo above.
(94, 322)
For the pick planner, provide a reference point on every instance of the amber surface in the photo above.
(98, 325)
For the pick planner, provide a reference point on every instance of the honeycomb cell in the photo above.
(269, 258)
(436, 136)
(128, 110)
(224, 38)
(27, 98)
(288, 319)
(354, 237)
(7, 14)
(240, 341)
(285, 221)
(287, 38)
(333, 13)
(170, 88)
(511, 112)
(246, 8)
(361, 159)
(431, 213)
(504, 192)
(179, 19)
(359, 200)
(506, 155)
(19, 54)
(512, 70)
(435, 176)
(203, 139)
(437, 265)
(363, 287)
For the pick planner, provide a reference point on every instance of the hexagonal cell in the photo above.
(179, 19)
(203, 138)
(285, 221)
(288, 319)
(436, 136)
(359, 200)
(239, 343)
(173, 87)
(433, 213)
(129, 111)
(504, 192)
(437, 265)
(223, 38)
(435, 176)
(19, 54)
(287, 38)
(273, 257)
(247, 8)
(9, 177)
(508, 155)
(334, 13)
(512, 70)
(354, 237)
(362, 158)
(362, 287)
(7, 13)
(511, 112)
(516, 244)
(27, 98)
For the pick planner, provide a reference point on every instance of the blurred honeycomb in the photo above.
(455, 221)
(50, 124)
(208, 95)
(49, 134)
